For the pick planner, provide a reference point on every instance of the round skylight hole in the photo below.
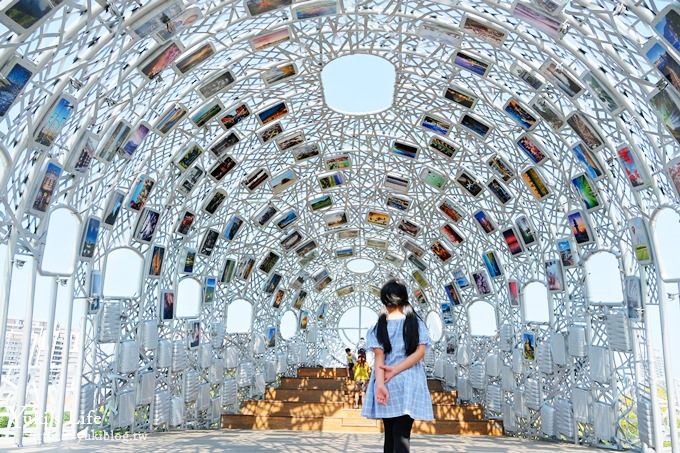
(358, 84)
(360, 265)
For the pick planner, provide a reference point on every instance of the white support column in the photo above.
(6, 290)
(656, 411)
(667, 365)
(45, 371)
(25, 356)
(63, 377)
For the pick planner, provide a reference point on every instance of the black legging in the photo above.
(398, 434)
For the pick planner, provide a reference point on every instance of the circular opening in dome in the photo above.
(435, 326)
(360, 265)
(358, 84)
(288, 325)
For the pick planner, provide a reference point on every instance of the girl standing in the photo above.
(397, 391)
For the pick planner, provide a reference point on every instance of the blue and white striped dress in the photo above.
(408, 390)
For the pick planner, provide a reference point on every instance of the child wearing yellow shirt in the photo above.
(362, 372)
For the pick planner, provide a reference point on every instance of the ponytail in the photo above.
(411, 334)
(382, 335)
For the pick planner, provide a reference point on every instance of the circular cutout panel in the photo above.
(360, 265)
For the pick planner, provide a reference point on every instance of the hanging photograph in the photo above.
(347, 233)
(633, 167)
(321, 279)
(440, 250)
(270, 39)
(667, 25)
(245, 268)
(588, 160)
(396, 183)
(378, 218)
(113, 207)
(193, 58)
(451, 234)
(213, 201)
(88, 240)
(598, 90)
(562, 79)
(420, 279)
(187, 156)
(673, 171)
(170, 118)
(160, 60)
(167, 305)
(269, 262)
(255, 179)
(664, 62)
(434, 124)
(548, 112)
(194, 334)
(418, 295)
(484, 221)
(585, 130)
(526, 230)
(345, 252)
(313, 9)
(299, 299)
(482, 283)
(537, 19)
(321, 202)
(393, 259)
(404, 149)
(527, 75)
(344, 291)
(633, 296)
(188, 182)
(279, 74)
(267, 134)
(305, 248)
(287, 219)
(156, 20)
(554, 276)
(520, 114)
(461, 279)
(257, 7)
(135, 140)
(451, 210)
(492, 264)
(433, 178)
(305, 151)
(115, 139)
(639, 237)
(501, 193)
(501, 167)
(408, 227)
(578, 223)
(235, 115)
(512, 241)
(461, 97)
(228, 270)
(452, 294)
(290, 140)
(304, 319)
(270, 337)
(471, 62)
(82, 153)
(187, 261)
(222, 168)
(568, 255)
(587, 192)
(15, 75)
(206, 112)
(208, 242)
(513, 293)
(469, 183)
(54, 121)
(667, 107)
(265, 215)
(443, 147)
(146, 225)
(46, 184)
(447, 312)
(475, 126)
(529, 346)
(483, 31)
(272, 113)
(331, 180)
(535, 183)
(532, 149)
(220, 146)
(397, 202)
(440, 33)
(417, 262)
(156, 258)
(217, 84)
(283, 180)
(233, 226)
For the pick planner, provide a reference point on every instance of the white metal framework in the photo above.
(571, 82)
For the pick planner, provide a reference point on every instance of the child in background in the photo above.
(361, 374)
(350, 364)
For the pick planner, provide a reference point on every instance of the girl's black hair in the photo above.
(394, 294)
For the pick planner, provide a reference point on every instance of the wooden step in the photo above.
(339, 424)
(308, 396)
(336, 384)
(322, 372)
(345, 410)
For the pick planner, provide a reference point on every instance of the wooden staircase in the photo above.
(321, 399)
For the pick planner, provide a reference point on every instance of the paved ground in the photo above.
(238, 441)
